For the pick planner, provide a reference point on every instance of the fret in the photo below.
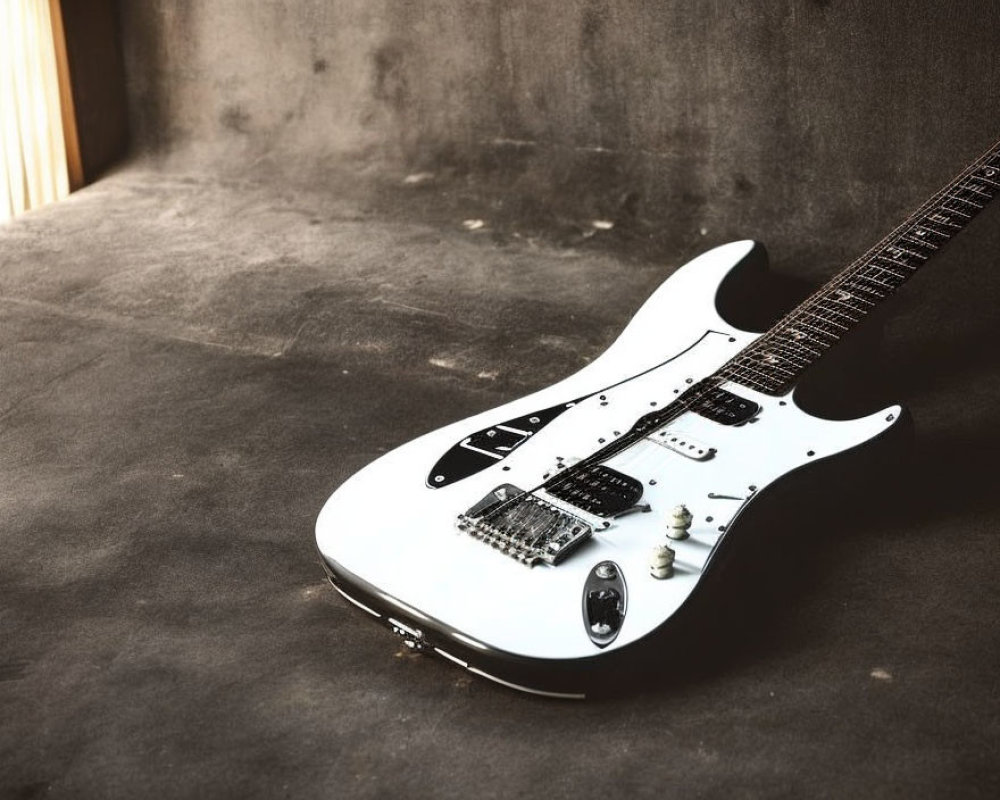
(968, 202)
(936, 229)
(820, 331)
(955, 211)
(771, 361)
(873, 264)
(747, 378)
(869, 279)
(923, 232)
(753, 376)
(842, 296)
(777, 366)
(877, 273)
(818, 318)
(788, 352)
(895, 262)
(840, 313)
(919, 242)
(905, 251)
(801, 343)
(978, 189)
(800, 338)
(877, 294)
(940, 219)
(986, 176)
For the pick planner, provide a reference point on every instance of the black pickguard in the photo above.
(486, 447)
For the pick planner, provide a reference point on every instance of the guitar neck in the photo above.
(774, 362)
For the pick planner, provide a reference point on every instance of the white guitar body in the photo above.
(390, 543)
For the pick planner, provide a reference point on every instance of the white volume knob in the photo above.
(680, 522)
(661, 562)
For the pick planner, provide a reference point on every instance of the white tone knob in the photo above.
(680, 522)
(661, 562)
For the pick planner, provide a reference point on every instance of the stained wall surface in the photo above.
(795, 122)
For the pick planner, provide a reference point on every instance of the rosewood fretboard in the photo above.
(773, 362)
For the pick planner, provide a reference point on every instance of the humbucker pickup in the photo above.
(725, 407)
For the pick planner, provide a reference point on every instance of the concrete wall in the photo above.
(790, 121)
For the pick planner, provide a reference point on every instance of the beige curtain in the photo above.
(32, 148)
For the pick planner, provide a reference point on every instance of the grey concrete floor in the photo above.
(189, 368)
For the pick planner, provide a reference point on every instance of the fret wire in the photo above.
(978, 190)
(888, 260)
(828, 321)
(801, 338)
(936, 228)
(908, 252)
(818, 330)
(868, 303)
(786, 353)
(968, 202)
(877, 274)
(800, 343)
(870, 279)
(836, 311)
(902, 276)
(741, 376)
(919, 242)
(868, 290)
(773, 362)
(782, 369)
(955, 211)
(927, 229)
(944, 220)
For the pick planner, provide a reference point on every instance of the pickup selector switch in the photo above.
(679, 522)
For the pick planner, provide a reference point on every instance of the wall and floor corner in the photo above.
(197, 347)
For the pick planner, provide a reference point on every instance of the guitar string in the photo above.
(733, 370)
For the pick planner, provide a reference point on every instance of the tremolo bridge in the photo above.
(532, 528)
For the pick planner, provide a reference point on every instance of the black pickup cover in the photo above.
(725, 407)
(597, 489)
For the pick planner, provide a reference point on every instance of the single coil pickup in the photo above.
(682, 443)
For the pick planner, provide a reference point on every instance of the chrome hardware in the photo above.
(604, 603)
(716, 496)
(412, 638)
(524, 527)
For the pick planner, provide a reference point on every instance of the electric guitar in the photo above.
(551, 542)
